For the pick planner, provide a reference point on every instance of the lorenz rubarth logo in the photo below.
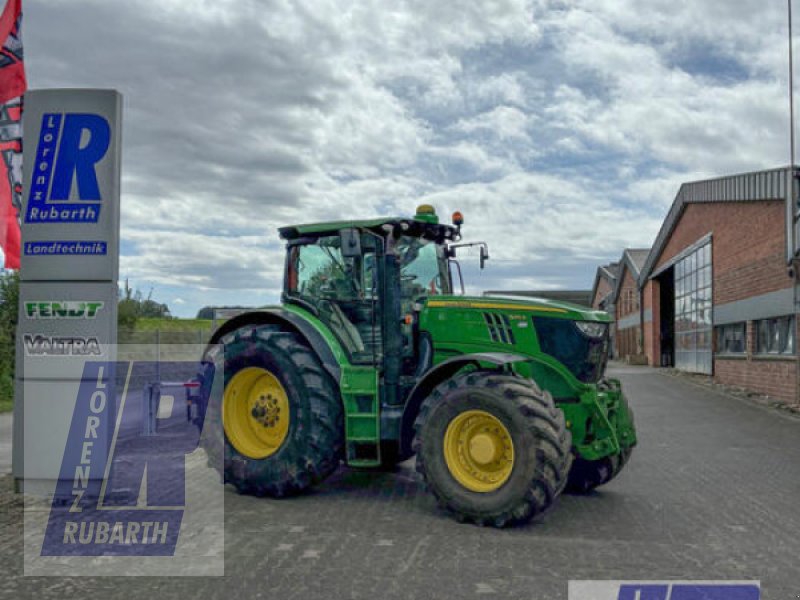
(65, 309)
(663, 590)
(70, 146)
(119, 493)
(53, 345)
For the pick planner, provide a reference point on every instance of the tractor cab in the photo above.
(366, 279)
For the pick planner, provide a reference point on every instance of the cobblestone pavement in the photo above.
(712, 492)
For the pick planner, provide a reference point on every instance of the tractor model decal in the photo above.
(491, 305)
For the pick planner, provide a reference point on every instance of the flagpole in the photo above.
(792, 191)
(791, 91)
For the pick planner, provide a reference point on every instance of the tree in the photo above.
(133, 306)
(9, 303)
(127, 310)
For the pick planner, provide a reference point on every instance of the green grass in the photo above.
(142, 326)
(168, 331)
(149, 324)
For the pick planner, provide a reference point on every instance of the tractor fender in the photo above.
(294, 322)
(441, 372)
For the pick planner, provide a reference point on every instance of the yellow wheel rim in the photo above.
(478, 451)
(255, 412)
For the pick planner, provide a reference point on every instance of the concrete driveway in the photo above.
(712, 492)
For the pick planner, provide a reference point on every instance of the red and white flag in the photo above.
(12, 88)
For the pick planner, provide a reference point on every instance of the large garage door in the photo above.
(693, 327)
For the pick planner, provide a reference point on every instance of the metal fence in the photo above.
(170, 355)
(157, 337)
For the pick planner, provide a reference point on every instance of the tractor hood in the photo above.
(573, 339)
(535, 306)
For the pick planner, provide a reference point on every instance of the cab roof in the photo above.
(406, 225)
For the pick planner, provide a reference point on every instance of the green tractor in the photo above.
(372, 358)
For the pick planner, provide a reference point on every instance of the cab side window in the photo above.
(319, 271)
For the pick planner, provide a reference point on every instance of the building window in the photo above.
(731, 338)
(693, 333)
(775, 336)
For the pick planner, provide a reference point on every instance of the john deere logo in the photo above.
(69, 309)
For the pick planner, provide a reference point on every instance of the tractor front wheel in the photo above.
(586, 475)
(493, 448)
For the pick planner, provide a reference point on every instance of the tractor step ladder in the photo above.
(362, 416)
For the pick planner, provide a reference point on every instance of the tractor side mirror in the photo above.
(484, 256)
(351, 243)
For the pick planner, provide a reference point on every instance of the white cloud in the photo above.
(561, 129)
(505, 122)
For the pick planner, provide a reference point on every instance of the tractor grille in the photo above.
(586, 357)
(499, 328)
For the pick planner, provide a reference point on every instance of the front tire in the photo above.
(269, 372)
(493, 448)
(586, 475)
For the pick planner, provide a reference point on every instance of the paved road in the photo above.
(712, 492)
(131, 423)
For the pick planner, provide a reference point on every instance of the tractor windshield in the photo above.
(423, 268)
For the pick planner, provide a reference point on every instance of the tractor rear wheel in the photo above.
(586, 475)
(280, 413)
(493, 448)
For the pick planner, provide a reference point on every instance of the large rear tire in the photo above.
(269, 372)
(493, 448)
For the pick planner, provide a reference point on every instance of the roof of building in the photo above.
(638, 257)
(745, 187)
(580, 297)
(607, 272)
(632, 259)
(611, 269)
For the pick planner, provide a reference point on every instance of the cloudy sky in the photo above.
(561, 129)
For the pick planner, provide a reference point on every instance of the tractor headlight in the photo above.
(592, 329)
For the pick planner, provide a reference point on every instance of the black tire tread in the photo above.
(587, 475)
(545, 422)
(321, 450)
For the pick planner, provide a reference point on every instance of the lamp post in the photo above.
(791, 91)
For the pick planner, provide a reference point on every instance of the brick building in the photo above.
(605, 280)
(627, 308)
(716, 290)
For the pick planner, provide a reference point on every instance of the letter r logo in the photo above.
(70, 147)
(84, 142)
